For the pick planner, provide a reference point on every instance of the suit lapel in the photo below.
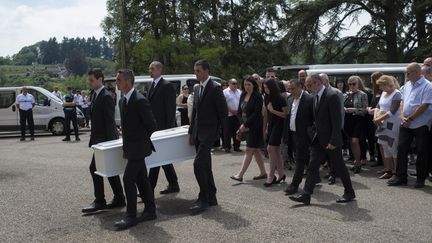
(156, 88)
(206, 90)
(321, 100)
(289, 104)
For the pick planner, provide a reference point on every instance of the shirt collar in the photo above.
(300, 96)
(128, 95)
(321, 91)
(418, 82)
(156, 81)
(99, 90)
(204, 84)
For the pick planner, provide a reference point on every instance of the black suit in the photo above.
(103, 129)
(301, 137)
(163, 104)
(208, 113)
(138, 124)
(328, 131)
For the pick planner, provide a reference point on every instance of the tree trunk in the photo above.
(390, 20)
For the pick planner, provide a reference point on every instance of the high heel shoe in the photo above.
(281, 179)
(271, 183)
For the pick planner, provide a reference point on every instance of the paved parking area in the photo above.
(45, 183)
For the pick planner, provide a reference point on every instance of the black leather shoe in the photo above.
(238, 150)
(116, 203)
(170, 189)
(199, 207)
(126, 223)
(303, 198)
(346, 198)
(331, 180)
(22, 139)
(397, 182)
(77, 139)
(94, 207)
(32, 138)
(147, 216)
(213, 203)
(66, 139)
(419, 184)
(291, 190)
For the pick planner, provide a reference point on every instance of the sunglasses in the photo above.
(352, 84)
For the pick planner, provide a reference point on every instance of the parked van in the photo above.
(343, 71)
(47, 113)
(143, 83)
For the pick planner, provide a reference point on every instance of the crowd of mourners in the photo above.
(387, 125)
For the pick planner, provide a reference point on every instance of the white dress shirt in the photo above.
(232, 98)
(202, 87)
(25, 102)
(294, 109)
(128, 95)
(156, 81)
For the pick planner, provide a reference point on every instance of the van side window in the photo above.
(41, 99)
(7, 98)
(177, 84)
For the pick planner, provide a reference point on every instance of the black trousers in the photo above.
(319, 154)
(71, 116)
(26, 116)
(98, 185)
(231, 125)
(203, 171)
(170, 174)
(135, 176)
(406, 136)
(302, 157)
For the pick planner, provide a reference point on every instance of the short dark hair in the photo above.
(97, 73)
(296, 82)
(69, 88)
(203, 63)
(127, 74)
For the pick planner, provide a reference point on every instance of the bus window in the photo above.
(177, 84)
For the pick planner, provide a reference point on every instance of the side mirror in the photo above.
(13, 108)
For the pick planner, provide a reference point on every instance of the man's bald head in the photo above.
(426, 71)
(325, 79)
(413, 71)
(428, 61)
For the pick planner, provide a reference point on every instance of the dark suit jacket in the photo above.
(138, 124)
(254, 119)
(163, 104)
(102, 119)
(304, 120)
(328, 121)
(208, 113)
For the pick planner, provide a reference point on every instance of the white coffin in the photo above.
(172, 146)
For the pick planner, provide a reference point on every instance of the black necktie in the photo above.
(201, 92)
(124, 106)
(152, 88)
(316, 102)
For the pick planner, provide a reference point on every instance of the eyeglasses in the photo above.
(352, 84)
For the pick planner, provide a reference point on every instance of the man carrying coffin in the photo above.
(103, 129)
(138, 124)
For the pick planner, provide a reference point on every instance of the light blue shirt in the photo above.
(415, 94)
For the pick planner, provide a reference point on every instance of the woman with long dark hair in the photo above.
(276, 108)
(251, 120)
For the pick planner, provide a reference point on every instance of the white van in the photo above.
(343, 71)
(143, 83)
(47, 114)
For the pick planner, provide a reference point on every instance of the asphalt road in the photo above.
(45, 183)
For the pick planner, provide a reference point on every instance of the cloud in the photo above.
(25, 24)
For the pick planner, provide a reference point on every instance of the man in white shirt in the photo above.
(57, 93)
(232, 96)
(25, 103)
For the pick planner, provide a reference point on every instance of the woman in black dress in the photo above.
(251, 120)
(277, 109)
(182, 105)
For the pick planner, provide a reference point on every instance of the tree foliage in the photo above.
(245, 36)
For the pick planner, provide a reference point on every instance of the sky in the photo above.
(25, 22)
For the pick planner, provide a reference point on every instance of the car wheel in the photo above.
(57, 126)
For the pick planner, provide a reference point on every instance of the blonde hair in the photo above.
(388, 80)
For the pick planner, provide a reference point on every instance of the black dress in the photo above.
(184, 112)
(276, 123)
(249, 114)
